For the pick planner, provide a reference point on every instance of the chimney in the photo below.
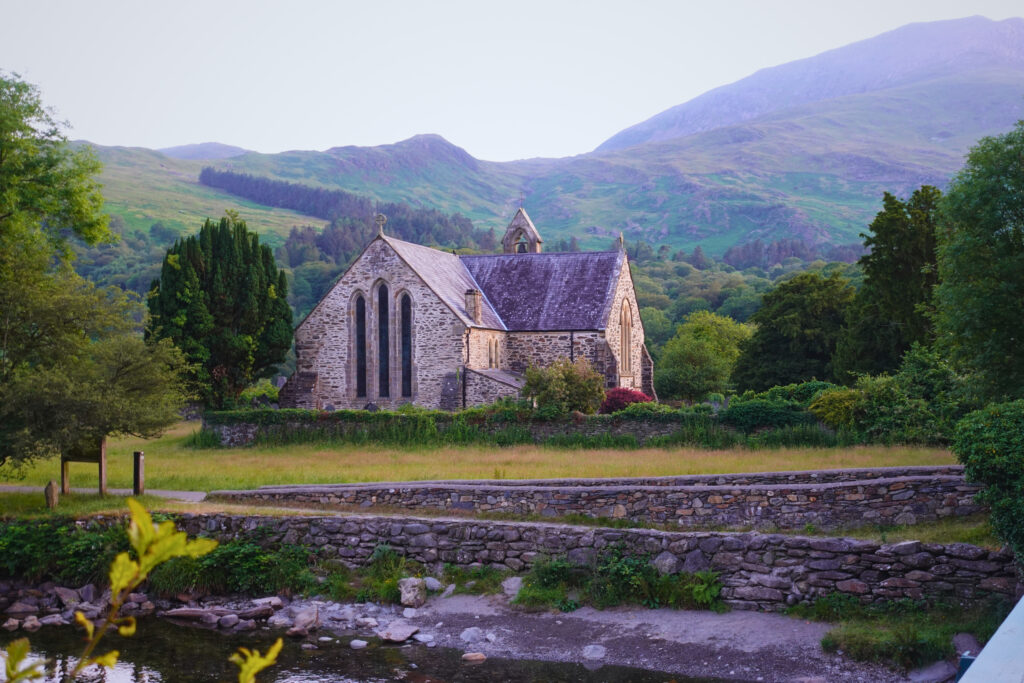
(474, 305)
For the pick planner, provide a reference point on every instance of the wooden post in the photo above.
(52, 497)
(65, 478)
(103, 466)
(139, 478)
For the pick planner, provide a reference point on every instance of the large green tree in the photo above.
(73, 365)
(980, 296)
(700, 358)
(892, 310)
(798, 326)
(222, 300)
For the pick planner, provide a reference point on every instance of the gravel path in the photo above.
(739, 646)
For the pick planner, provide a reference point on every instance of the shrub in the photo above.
(801, 392)
(646, 410)
(565, 386)
(760, 413)
(618, 398)
(990, 444)
(837, 408)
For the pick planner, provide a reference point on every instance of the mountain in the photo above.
(912, 54)
(203, 151)
(802, 150)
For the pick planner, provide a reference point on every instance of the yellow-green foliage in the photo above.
(565, 386)
(836, 408)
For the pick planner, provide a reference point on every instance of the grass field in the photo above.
(171, 464)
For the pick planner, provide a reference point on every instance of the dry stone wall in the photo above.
(244, 433)
(780, 503)
(758, 571)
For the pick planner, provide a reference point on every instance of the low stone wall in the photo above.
(245, 433)
(758, 571)
(835, 499)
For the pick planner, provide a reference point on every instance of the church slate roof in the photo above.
(446, 275)
(553, 291)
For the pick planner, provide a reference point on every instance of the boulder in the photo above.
(939, 672)
(511, 586)
(666, 563)
(398, 631)
(257, 612)
(357, 644)
(594, 652)
(88, 593)
(68, 596)
(471, 635)
(31, 624)
(11, 624)
(432, 584)
(228, 620)
(414, 592)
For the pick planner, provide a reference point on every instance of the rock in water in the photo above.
(399, 631)
(357, 644)
(594, 652)
(414, 592)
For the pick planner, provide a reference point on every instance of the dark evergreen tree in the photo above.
(798, 326)
(892, 308)
(222, 300)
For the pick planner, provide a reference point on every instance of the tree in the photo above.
(46, 186)
(892, 310)
(222, 300)
(73, 366)
(699, 359)
(798, 326)
(981, 267)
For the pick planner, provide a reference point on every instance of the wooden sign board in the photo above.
(88, 451)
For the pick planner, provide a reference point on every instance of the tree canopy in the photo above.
(73, 365)
(222, 300)
(981, 267)
(798, 326)
(700, 358)
(892, 309)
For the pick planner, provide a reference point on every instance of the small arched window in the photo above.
(626, 331)
(383, 343)
(360, 344)
(406, 345)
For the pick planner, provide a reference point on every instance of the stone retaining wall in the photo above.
(758, 571)
(245, 433)
(783, 502)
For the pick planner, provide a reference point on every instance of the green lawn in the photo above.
(171, 464)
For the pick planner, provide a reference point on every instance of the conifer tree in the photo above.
(222, 300)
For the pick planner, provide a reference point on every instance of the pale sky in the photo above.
(504, 80)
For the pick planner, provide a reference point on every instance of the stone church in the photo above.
(407, 323)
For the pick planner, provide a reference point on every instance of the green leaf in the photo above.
(250, 662)
(123, 571)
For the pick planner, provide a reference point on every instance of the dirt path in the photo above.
(737, 646)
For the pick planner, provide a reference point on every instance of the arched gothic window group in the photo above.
(384, 325)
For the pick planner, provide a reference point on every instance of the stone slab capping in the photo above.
(827, 499)
(758, 571)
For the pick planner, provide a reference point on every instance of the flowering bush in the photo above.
(618, 398)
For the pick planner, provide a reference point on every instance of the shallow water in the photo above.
(162, 652)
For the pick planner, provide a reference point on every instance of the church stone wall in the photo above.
(624, 292)
(483, 390)
(479, 341)
(525, 349)
(325, 341)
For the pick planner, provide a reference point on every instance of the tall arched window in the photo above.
(626, 330)
(383, 343)
(406, 345)
(360, 344)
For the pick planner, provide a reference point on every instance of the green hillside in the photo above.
(814, 172)
(144, 187)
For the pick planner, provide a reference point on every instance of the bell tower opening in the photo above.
(521, 237)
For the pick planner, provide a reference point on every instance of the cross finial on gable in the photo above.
(380, 219)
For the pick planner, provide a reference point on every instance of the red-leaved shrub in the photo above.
(618, 398)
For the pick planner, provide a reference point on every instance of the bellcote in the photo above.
(521, 237)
